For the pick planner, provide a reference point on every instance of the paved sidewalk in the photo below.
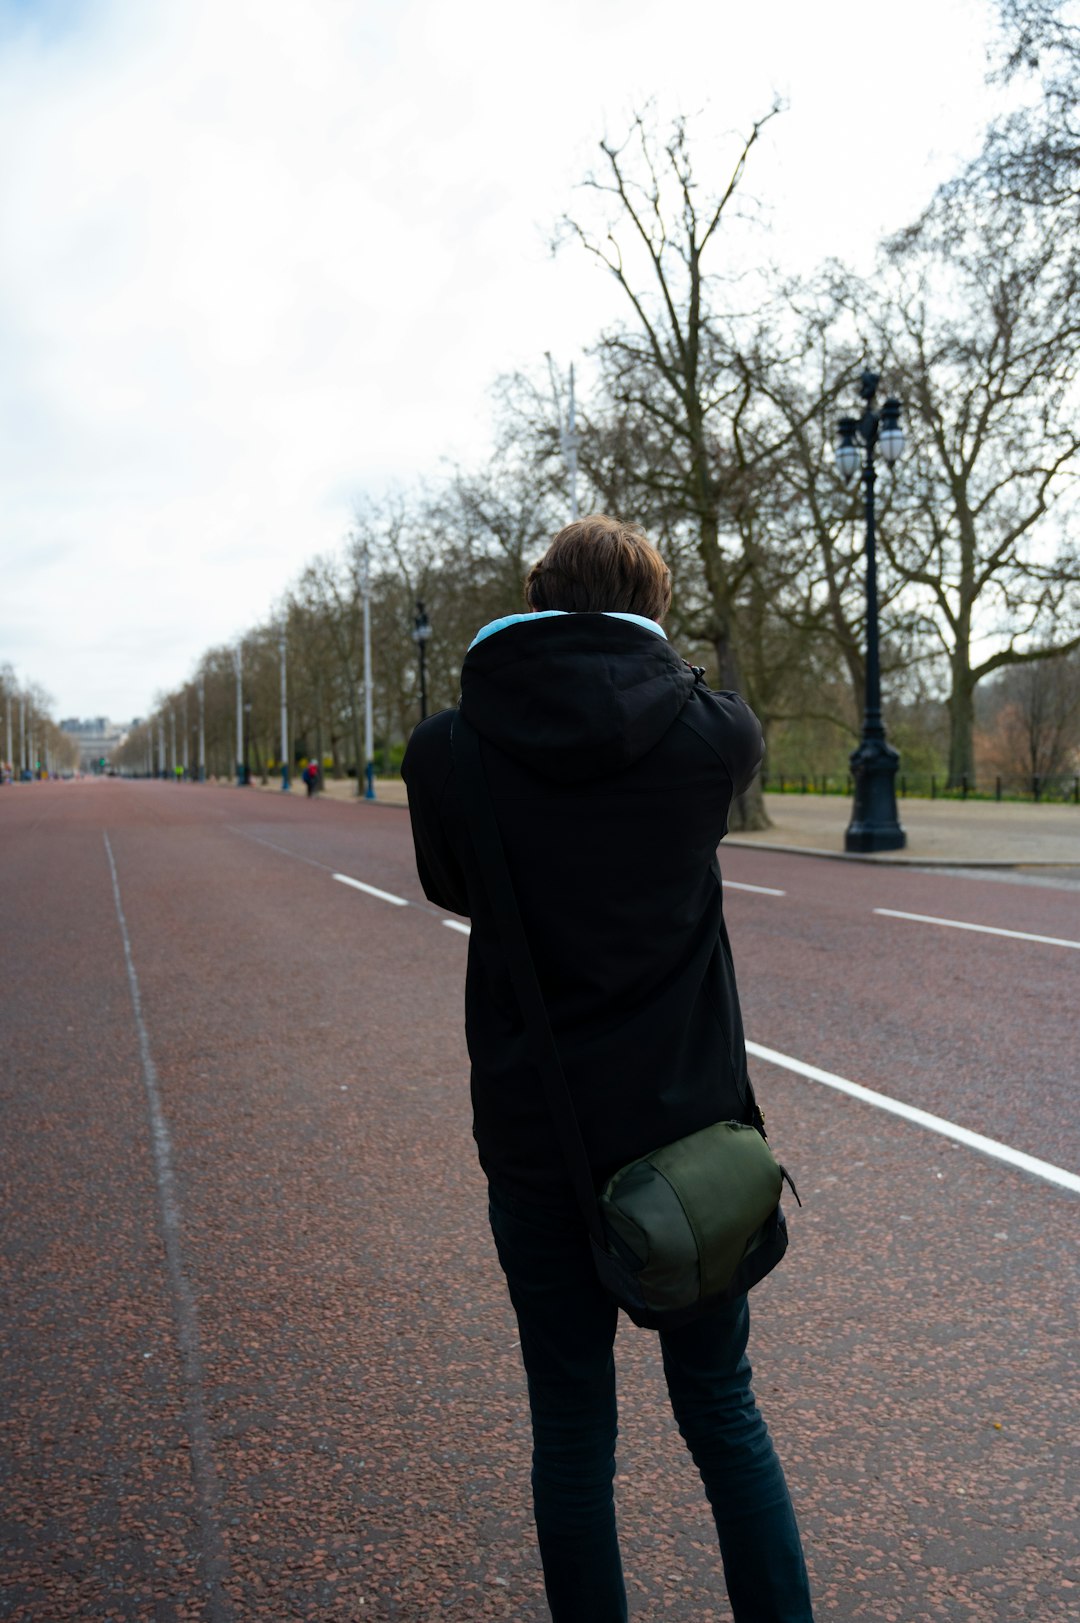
(391, 791)
(940, 832)
(945, 832)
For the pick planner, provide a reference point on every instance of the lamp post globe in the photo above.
(847, 452)
(874, 824)
(890, 434)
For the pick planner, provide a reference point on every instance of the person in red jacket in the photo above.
(610, 806)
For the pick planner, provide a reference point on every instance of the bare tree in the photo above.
(329, 593)
(1030, 158)
(1033, 726)
(986, 342)
(668, 367)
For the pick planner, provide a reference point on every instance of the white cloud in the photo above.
(260, 254)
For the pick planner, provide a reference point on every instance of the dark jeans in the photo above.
(567, 1327)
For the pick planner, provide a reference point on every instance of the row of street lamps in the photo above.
(421, 634)
(157, 725)
(26, 738)
(874, 824)
(243, 773)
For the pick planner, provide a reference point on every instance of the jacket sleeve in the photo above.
(427, 771)
(744, 743)
(731, 729)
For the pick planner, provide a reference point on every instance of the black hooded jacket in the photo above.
(610, 807)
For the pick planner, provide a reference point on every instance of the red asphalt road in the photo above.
(259, 1363)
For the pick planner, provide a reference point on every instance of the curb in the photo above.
(397, 805)
(885, 859)
(333, 800)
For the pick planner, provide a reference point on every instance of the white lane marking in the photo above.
(345, 879)
(214, 1562)
(372, 890)
(983, 929)
(270, 845)
(896, 1107)
(922, 1118)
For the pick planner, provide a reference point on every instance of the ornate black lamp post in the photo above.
(421, 633)
(874, 824)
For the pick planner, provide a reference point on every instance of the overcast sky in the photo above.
(259, 257)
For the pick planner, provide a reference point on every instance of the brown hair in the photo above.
(597, 564)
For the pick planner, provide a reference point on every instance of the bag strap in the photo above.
(690, 716)
(487, 843)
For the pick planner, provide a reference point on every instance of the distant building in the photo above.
(96, 738)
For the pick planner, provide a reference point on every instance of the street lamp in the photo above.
(874, 824)
(285, 752)
(369, 714)
(247, 739)
(421, 633)
(239, 669)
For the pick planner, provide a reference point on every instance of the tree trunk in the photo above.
(962, 689)
(354, 716)
(747, 810)
(961, 728)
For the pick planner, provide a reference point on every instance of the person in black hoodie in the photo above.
(610, 807)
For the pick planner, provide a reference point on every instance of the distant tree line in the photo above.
(30, 740)
(710, 421)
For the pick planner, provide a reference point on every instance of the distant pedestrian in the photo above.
(610, 803)
(310, 776)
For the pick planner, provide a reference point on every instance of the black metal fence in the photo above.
(1062, 789)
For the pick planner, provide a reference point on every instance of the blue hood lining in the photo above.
(547, 614)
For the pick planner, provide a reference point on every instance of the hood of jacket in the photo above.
(574, 696)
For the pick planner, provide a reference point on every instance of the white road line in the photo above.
(922, 1118)
(342, 878)
(214, 1561)
(983, 929)
(270, 845)
(372, 890)
(759, 890)
(896, 1107)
